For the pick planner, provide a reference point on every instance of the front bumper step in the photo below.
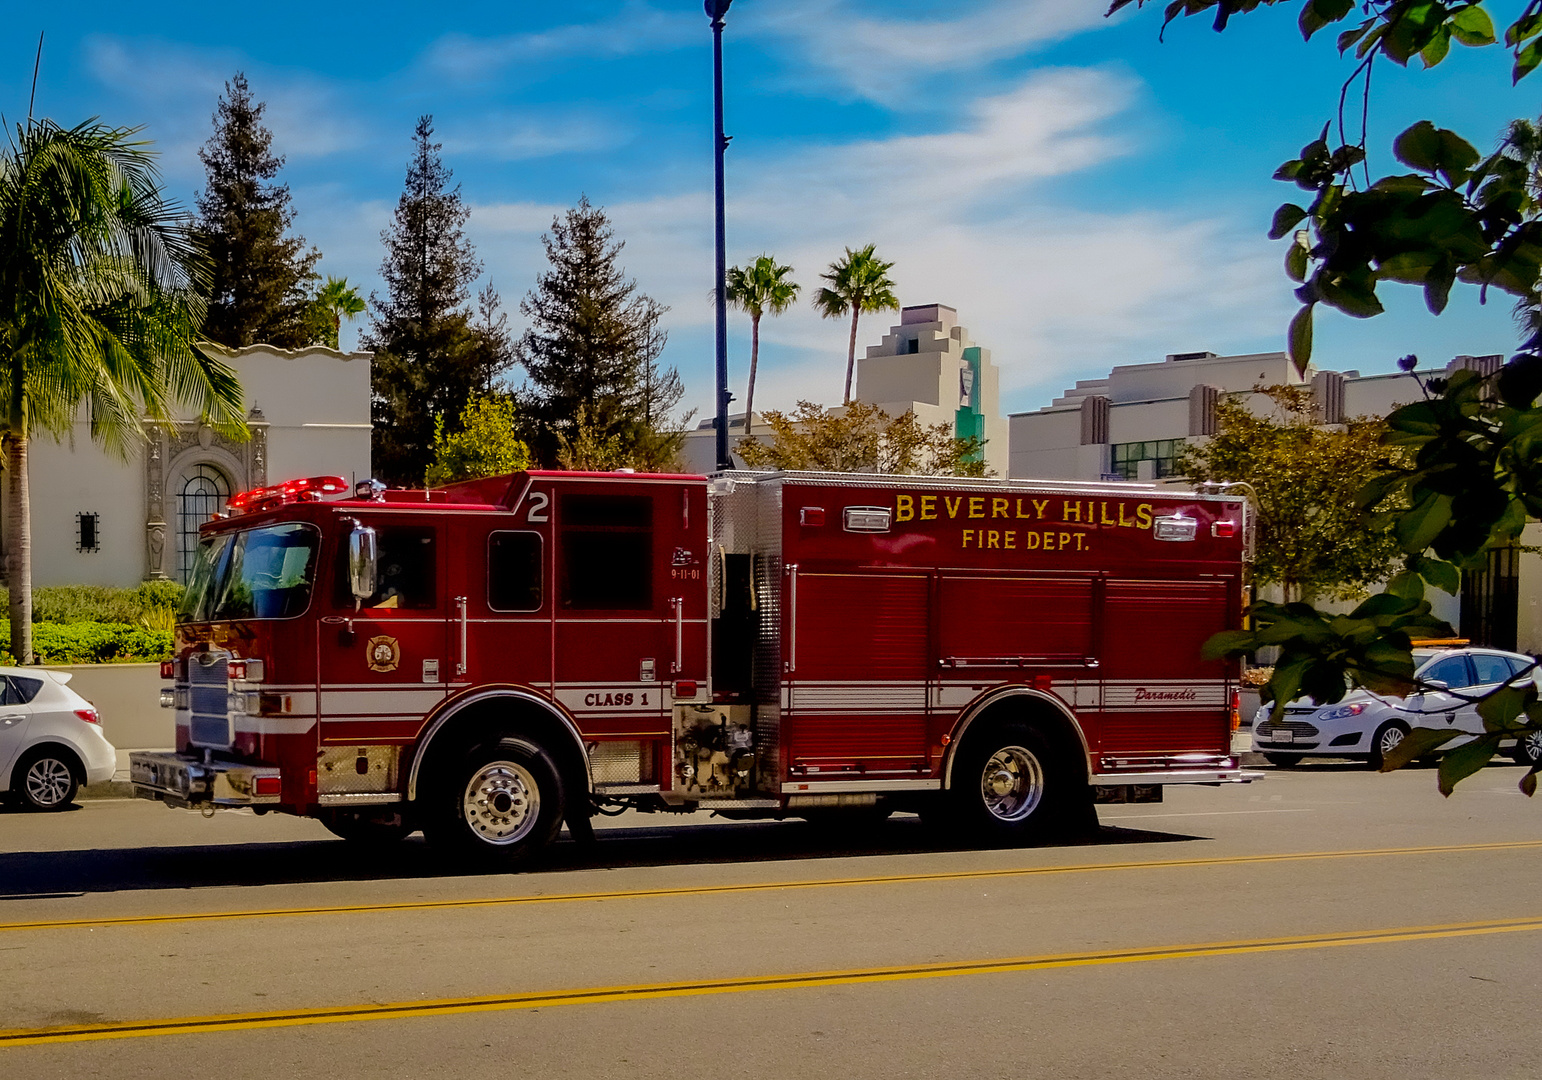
(188, 781)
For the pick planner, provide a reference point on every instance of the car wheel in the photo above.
(1528, 749)
(1283, 761)
(501, 805)
(46, 779)
(1385, 741)
(1012, 785)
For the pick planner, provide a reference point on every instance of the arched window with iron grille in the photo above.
(203, 493)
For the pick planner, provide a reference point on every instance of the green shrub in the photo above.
(149, 603)
(92, 643)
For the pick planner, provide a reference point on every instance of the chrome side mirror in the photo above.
(361, 562)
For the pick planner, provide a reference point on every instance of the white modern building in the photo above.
(1130, 424)
(100, 520)
(928, 365)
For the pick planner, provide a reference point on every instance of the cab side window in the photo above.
(18, 689)
(607, 552)
(1452, 671)
(406, 574)
(514, 571)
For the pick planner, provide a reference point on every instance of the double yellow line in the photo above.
(766, 886)
(702, 987)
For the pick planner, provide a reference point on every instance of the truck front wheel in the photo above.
(1012, 785)
(502, 803)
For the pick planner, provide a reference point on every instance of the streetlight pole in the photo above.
(716, 9)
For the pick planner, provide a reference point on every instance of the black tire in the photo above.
(1383, 741)
(1528, 749)
(389, 825)
(46, 779)
(1283, 761)
(500, 804)
(1011, 784)
(848, 822)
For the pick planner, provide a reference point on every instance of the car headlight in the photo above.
(1342, 712)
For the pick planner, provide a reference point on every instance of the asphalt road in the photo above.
(1325, 922)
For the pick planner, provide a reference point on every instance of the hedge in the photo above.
(151, 600)
(91, 643)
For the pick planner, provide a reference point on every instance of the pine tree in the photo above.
(431, 355)
(594, 343)
(262, 273)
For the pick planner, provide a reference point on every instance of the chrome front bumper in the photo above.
(187, 781)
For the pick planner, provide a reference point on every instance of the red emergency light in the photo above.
(310, 489)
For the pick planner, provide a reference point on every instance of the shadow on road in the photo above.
(34, 875)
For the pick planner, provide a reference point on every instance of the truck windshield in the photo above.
(262, 573)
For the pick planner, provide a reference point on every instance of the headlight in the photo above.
(1342, 712)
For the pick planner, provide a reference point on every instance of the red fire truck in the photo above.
(488, 660)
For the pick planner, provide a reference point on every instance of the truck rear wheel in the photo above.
(1011, 784)
(501, 803)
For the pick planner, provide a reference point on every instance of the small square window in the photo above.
(88, 532)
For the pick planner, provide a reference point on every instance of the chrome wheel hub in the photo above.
(1389, 740)
(48, 782)
(501, 802)
(1012, 783)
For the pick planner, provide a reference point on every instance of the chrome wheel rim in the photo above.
(1389, 740)
(48, 782)
(501, 803)
(1531, 746)
(1012, 784)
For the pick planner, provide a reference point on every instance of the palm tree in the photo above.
(755, 289)
(859, 282)
(101, 300)
(1522, 144)
(335, 301)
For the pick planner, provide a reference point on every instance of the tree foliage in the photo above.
(594, 342)
(759, 288)
(861, 437)
(487, 444)
(1310, 539)
(433, 352)
(1469, 466)
(858, 283)
(102, 294)
(259, 290)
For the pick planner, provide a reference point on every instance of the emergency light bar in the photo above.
(310, 489)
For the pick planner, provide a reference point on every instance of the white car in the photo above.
(1366, 725)
(51, 740)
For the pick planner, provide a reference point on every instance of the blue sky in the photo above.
(1082, 193)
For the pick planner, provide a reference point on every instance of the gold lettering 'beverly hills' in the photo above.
(1109, 514)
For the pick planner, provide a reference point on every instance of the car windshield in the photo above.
(264, 573)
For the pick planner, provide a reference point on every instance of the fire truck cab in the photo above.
(488, 660)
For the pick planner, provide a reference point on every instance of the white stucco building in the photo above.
(99, 520)
(927, 364)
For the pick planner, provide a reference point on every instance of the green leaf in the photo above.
(1440, 574)
(1407, 586)
(1501, 708)
(1418, 527)
(1299, 339)
(1349, 37)
(1526, 61)
(1416, 744)
(1523, 28)
(1472, 26)
(1436, 50)
(1286, 218)
(1316, 14)
(1430, 149)
(1229, 643)
(1437, 286)
(1296, 257)
(1529, 784)
(1457, 765)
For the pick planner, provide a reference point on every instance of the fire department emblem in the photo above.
(383, 653)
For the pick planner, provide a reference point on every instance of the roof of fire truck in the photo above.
(496, 492)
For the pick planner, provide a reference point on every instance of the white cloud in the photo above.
(636, 28)
(1053, 291)
(884, 58)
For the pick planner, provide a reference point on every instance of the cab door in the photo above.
(500, 601)
(15, 715)
(385, 661)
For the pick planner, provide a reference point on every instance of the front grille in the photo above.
(1299, 728)
(210, 722)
